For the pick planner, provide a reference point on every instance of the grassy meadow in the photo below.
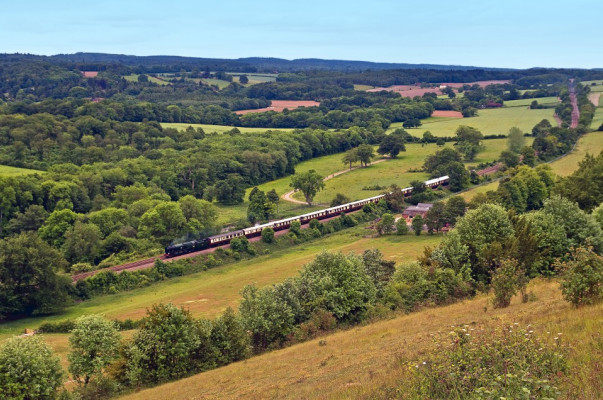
(496, 121)
(218, 128)
(526, 102)
(362, 361)
(134, 78)
(591, 143)
(5, 170)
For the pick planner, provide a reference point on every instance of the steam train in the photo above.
(225, 238)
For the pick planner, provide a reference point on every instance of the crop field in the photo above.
(217, 82)
(5, 170)
(134, 78)
(218, 128)
(359, 362)
(208, 293)
(489, 122)
(526, 102)
(254, 78)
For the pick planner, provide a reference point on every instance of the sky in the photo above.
(505, 33)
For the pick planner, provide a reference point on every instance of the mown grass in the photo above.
(526, 102)
(362, 361)
(5, 170)
(489, 122)
(208, 293)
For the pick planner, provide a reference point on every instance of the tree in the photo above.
(30, 220)
(82, 243)
(433, 163)
(468, 141)
(580, 187)
(401, 227)
(229, 338)
(378, 269)
(94, 343)
(231, 190)
(109, 219)
(459, 177)
(164, 346)
(417, 224)
(582, 277)
(56, 225)
(391, 144)
(386, 225)
(268, 319)
(309, 183)
(509, 158)
(200, 215)
(338, 284)
(435, 219)
(164, 223)
(529, 157)
(29, 283)
(268, 235)
(243, 79)
(29, 369)
(350, 157)
(339, 199)
(274, 198)
(455, 208)
(515, 140)
(365, 153)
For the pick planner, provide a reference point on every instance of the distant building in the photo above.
(420, 209)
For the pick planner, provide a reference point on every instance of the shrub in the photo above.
(509, 362)
(582, 277)
(315, 224)
(268, 235)
(239, 244)
(505, 282)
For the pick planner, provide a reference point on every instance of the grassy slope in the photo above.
(527, 102)
(489, 122)
(5, 170)
(134, 78)
(591, 143)
(363, 360)
(208, 293)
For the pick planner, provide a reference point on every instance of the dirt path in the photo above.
(594, 98)
(289, 195)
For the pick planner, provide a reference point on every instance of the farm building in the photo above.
(420, 209)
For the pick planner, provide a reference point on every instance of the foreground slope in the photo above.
(358, 362)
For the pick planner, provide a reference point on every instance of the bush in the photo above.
(57, 327)
(505, 283)
(239, 244)
(582, 277)
(268, 235)
(315, 224)
(295, 228)
(509, 362)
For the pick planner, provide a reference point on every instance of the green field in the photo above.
(208, 293)
(254, 78)
(363, 87)
(134, 78)
(217, 128)
(5, 170)
(598, 87)
(489, 122)
(394, 171)
(526, 102)
(591, 143)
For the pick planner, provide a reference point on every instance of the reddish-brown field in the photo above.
(447, 114)
(280, 105)
(90, 74)
(417, 90)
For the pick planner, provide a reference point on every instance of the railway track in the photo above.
(140, 264)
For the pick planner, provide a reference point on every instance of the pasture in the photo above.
(552, 101)
(7, 171)
(496, 121)
(254, 78)
(208, 293)
(597, 87)
(591, 143)
(364, 361)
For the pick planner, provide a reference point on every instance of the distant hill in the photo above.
(251, 64)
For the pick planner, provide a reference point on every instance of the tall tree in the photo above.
(94, 343)
(29, 369)
(29, 280)
(365, 153)
(309, 183)
(515, 140)
(391, 144)
(468, 141)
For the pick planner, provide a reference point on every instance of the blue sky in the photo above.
(505, 33)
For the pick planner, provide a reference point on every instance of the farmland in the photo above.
(490, 121)
(134, 78)
(549, 101)
(216, 128)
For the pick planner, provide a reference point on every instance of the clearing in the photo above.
(219, 128)
(417, 90)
